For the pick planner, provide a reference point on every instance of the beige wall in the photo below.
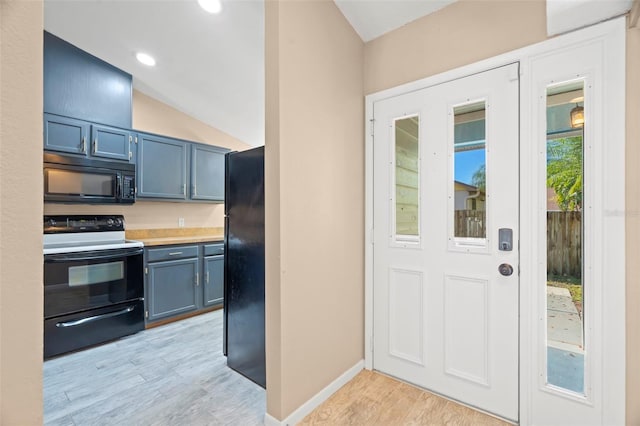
(633, 223)
(21, 212)
(472, 30)
(315, 241)
(151, 115)
(462, 33)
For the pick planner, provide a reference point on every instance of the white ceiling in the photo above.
(373, 18)
(208, 66)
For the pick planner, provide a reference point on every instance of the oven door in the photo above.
(80, 281)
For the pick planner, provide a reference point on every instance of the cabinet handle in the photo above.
(184, 189)
(175, 253)
(83, 145)
(197, 283)
(95, 145)
(207, 277)
(195, 191)
(130, 155)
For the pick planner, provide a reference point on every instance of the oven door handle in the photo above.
(67, 258)
(94, 318)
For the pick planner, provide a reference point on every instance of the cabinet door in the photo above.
(162, 167)
(110, 142)
(172, 288)
(207, 173)
(213, 280)
(65, 134)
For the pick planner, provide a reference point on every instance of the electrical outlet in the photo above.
(181, 222)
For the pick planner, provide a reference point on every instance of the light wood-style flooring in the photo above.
(170, 375)
(375, 399)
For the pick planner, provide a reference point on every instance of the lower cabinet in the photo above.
(213, 280)
(182, 278)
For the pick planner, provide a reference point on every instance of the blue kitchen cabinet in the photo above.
(111, 143)
(69, 135)
(79, 85)
(183, 278)
(213, 274)
(162, 167)
(171, 288)
(207, 172)
(63, 134)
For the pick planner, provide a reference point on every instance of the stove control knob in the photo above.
(118, 221)
(52, 223)
(109, 222)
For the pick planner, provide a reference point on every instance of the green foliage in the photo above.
(564, 171)
(479, 178)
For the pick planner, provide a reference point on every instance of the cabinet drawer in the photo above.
(213, 249)
(169, 253)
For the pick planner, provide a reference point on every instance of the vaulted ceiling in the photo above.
(211, 66)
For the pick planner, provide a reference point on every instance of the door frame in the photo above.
(611, 35)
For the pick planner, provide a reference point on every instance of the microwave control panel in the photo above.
(128, 187)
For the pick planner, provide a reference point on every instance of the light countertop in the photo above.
(167, 236)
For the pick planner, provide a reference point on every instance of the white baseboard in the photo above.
(313, 403)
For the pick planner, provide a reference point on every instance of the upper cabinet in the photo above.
(179, 170)
(207, 172)
(162, 167)
(79, 85)
(73, 136)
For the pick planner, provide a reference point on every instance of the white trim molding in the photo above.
(315, 401)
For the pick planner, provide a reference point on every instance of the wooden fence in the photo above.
(564, 243)
(470, 223)
(564, 238)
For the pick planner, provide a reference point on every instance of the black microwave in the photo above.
(69, 179)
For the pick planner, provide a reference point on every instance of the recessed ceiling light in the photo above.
(211, 6)
(145, 59)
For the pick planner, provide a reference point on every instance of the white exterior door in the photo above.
(445, 219)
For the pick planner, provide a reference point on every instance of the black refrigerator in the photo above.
(244, 321)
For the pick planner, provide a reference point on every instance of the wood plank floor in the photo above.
(375, 399)
(170, 375)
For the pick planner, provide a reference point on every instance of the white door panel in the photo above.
(444, 317)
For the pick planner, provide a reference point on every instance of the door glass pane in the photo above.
(565, 313)
(407, 178)
(469, 165)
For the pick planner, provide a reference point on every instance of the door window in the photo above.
(566, 349)
(407, 178)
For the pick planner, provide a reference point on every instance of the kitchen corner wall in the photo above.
(151, 115)
(21, 212)
(314, 166)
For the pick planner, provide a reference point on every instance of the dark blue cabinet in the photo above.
(179, 170)
(213, 276)
(207, 172)
(171, 288)
(110, 142)
(162, 167)
(64, 134)
(79, 85)
(183, 278)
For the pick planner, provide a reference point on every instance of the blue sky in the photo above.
(466, 163)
